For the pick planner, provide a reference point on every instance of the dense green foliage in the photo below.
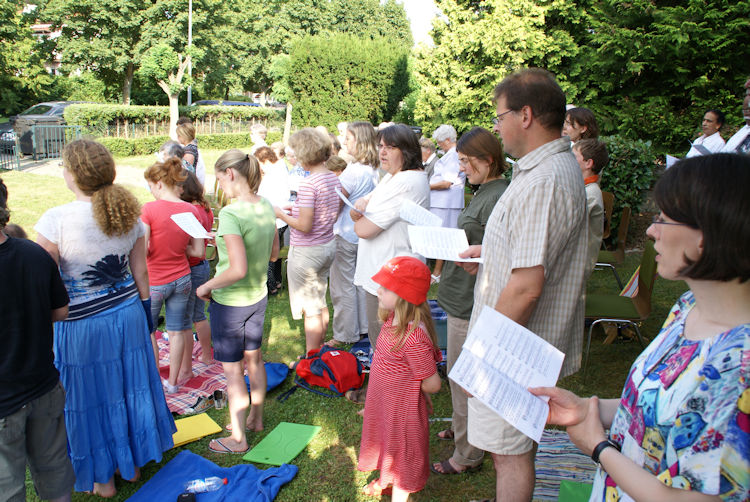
(655, 66)
(333, 78)
(649, 69)
(630, 173)
(477, 44)
(126, 147)
(23, 79)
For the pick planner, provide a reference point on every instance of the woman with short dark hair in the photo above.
(681, 429)
(382, 232)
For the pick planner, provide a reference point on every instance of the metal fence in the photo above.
(49, 140)
(161, 127)
(10, 156)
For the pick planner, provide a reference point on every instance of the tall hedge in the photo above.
(127, 147)
(95, 114)
(334, 78)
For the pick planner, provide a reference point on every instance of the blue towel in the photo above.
(246, 483)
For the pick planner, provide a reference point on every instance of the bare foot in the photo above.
(105, 490)
(361, 412)
(333, 343)
(135, 478)
(182, 379)
(207, 360)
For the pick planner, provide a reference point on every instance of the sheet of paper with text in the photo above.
(439, 243)
(190, 225)
(417, 215)
(499, 361)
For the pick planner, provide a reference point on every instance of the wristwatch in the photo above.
(601, 447)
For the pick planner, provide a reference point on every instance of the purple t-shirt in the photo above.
(318, 192)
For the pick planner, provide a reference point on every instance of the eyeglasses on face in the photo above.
(387, 148)
(499, 117)
(659, 220)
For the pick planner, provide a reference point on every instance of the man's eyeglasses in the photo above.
(498, 119)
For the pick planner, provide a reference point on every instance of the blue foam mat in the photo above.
(246, 483)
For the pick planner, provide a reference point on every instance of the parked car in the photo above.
(204, 102)
(7, 138)
(48, 113)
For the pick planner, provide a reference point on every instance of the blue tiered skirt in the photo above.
(115, 411)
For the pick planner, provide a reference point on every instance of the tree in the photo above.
(477, 43)
(23, 79)
(110, 37)
(655, 66)
(163, 64)
(339, 77)
(267, 28)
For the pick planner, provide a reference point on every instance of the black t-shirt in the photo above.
(30, 288)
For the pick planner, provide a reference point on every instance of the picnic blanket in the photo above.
(245, 482)
(208, 378)
(558, 459)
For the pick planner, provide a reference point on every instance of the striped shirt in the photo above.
(541, 220)
(318, 192)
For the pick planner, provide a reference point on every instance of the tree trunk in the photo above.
(173, 115)
(288, 122)
(127, 85)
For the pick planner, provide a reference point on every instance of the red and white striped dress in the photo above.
(395, 433)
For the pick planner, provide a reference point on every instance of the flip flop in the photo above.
(224, 448)
(334, 343)
(447, 468)
(372, 489)
(446, 435)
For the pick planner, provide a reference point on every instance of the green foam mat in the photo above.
(282, 444)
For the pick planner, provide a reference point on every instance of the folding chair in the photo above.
(607, 259)
(624, 310)
(608, 198)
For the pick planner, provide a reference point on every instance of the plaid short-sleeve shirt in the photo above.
(541, 220)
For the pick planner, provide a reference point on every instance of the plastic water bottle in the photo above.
(205, 485)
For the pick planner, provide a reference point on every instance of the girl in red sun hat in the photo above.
(395, 433)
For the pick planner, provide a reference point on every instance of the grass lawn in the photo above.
(327, 468)
(143, 161)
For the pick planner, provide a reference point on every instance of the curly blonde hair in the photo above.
(92, 167)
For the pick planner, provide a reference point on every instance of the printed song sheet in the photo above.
(190, 225)
(347, 201)
(417, 215)
(499, 361)
(439, 243)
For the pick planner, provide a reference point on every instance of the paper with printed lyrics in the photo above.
(499, 361)
(417, 215)
(347, 201)
(440, 243)
(452, 177)
(190, 225)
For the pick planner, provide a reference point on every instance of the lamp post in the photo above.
(190, 42)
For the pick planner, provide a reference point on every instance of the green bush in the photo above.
(629, 174)
(126, 147)
(334, 78)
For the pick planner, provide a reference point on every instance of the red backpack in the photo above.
(331, 368)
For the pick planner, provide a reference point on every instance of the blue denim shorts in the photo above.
(175, 295)
(196, 308)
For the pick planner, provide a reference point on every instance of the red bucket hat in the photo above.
(406, 276)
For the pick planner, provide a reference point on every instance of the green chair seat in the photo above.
(606, 257)
(611, 306)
